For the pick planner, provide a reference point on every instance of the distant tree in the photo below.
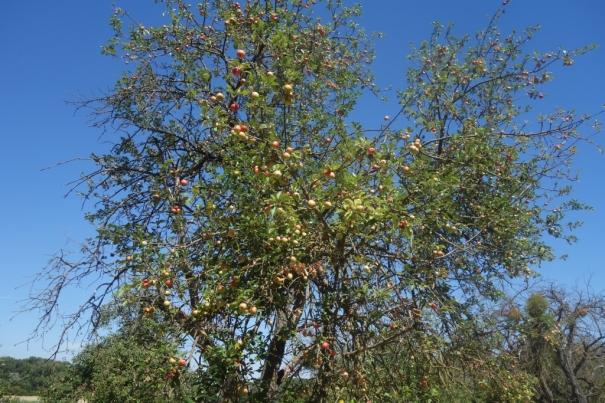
(243, 213)
(29, 376)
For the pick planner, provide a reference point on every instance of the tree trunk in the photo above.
(270, 378)
(567, 367)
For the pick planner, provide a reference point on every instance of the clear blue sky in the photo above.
(50, 49)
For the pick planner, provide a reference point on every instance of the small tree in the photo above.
(245, 214)
(558, 342)
(119, 368)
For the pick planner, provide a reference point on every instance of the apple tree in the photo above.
(251, 220)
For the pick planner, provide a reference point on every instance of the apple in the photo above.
(184, 182)
(311, 203)
(325, 345)
(168, 283)
(327, 204)
(166, 304)
(182, 362)
(275, 144)
(234, 107)
(253, 310)
(371, 150)
(434, 305)
(236, 71)
(254, 95)
(316, 325)
(241, 54)
(219, 96)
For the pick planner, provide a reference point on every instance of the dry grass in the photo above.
(23, 399)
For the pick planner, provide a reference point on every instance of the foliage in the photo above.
(536, 306)
(29, 376)
(243, 213)
(117, 369)
(559, 341)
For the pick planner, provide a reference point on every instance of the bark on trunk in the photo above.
(567, 367)
(270, 379)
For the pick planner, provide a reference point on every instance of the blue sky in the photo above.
(52, 49)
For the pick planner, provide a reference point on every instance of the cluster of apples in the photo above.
(287, 95)
(175, 371)
(415, 147)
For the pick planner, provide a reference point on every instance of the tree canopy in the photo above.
(292, 253)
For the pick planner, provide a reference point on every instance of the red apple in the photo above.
(236, 71)
(275, 144)
(182, 362)
(241, 54)
(325, 345)
(234, 107)
(371, 150)
(184, 182)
